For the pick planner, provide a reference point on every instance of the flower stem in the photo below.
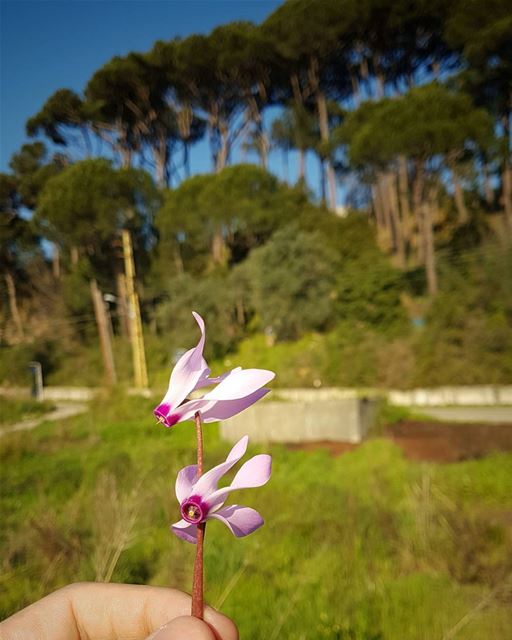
(197, 584)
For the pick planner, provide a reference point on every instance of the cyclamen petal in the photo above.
(254, 473)
(208, 481)
(240, 383)
(184, 481)
(206, 381)
(189, 369)
(185, 530)
(224, 409)
(187, 411)
(241, 521)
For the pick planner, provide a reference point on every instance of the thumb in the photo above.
(184, 628)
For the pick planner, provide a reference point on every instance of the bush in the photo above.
(468, 337)
(213, 300)
(293, 283)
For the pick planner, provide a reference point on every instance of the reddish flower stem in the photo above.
(197, 584)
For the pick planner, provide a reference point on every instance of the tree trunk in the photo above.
(212, 138)
(240, 313)
(104, 334)
(379, 77)
(223, 155)
(458, 194)
(56, 261)
(161, 156)
(430, 257)
(178, 260)
(356, 91)
(323, 122)
(122, 302)
(219, 251)
(302, 166)
(286, 166)
(322, 179)
(398, 234)
(74, 255)
(263, 146)
(506, 192)
(403, 187)
(126, 157)
(488, 190)
(417, 199)
(462, 211)
(386, 211)
(379, 217)
(13, 303)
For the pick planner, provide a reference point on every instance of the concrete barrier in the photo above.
(73, 394)
(312, 418)
(470, 396)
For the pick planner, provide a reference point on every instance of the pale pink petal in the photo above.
(189, 369)
(211, 410)
(240, 383)
(241, 521)
(188, 410)
(208, 481)
(205, 381)
(184, 482)
(224, 409)
(254, 473)
(185, 530)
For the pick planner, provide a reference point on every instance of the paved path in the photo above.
(469, 414)
(61, 412)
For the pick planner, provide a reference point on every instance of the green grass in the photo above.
(14, 410)
(363, 546)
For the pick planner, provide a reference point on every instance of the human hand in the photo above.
(98, 611)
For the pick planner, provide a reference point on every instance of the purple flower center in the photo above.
(194, 510)
(162, 415)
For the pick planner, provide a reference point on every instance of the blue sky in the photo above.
(49, 44)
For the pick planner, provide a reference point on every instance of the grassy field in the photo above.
(365, 546)
(18, 410)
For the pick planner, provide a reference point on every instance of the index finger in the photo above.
(107, 611)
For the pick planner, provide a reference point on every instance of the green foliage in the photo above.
(380, 547)
(293, 283)
(87, 202)
(468, 335)
(483, 31)
(241, 207)
(14, 360)
(14, 410)
(32, 169)
(63, 109)
(428, 121)
(212, 299)
(76, 288)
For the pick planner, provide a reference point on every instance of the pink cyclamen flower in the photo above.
(235, 391)
(201, 500)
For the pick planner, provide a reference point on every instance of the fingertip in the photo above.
(223, 626)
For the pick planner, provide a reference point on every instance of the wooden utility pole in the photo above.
(137, 339)
(104, 331)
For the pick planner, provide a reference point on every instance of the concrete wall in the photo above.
(488, 395)
(343, 419)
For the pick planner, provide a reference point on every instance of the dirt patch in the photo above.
(433, 441)
(450, 441)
